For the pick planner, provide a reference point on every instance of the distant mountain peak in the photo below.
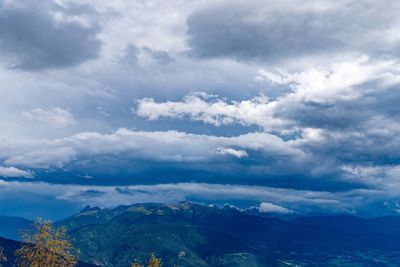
(89, 208)
(185, 203)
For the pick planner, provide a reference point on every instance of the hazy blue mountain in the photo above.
(350, 224)
(10, 226)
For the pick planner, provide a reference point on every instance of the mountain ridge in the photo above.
(212, 236)
(190, 234)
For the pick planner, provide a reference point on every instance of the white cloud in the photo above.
(256, 111)
(159, 145)
(12, 172)
(329, 84)
(56, 116)
(230, 151)
(272, 208)
(385, 177)
(306, 93)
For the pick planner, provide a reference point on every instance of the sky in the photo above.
(289, 106)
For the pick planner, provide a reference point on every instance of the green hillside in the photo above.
(188, 234)
(173, 232)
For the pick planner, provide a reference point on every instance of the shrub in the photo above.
(47, 246)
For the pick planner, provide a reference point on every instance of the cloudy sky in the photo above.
(291, 106)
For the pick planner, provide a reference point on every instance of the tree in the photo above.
(154, 262)
(47, 246)
(3, 258)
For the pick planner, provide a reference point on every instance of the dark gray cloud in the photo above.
(134, 54)
(284, 29)
(130, 56)
(159, 56)
(38, 35)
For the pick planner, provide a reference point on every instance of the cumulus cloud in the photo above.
(341, 81)
(56, 117)
(46, 34)
(284, 29)
(384, 177)
(215, 111)
(230, 151)
(314, 89)
(272, 208)
(167, 146)
(12, 172)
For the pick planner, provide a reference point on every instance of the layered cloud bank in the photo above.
(12, 172)
(272, 200)
(293, 103)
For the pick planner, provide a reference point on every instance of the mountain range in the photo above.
(11, 226)
(188, 234)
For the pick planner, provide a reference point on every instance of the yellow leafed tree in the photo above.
(153, 262)
(47, 246)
